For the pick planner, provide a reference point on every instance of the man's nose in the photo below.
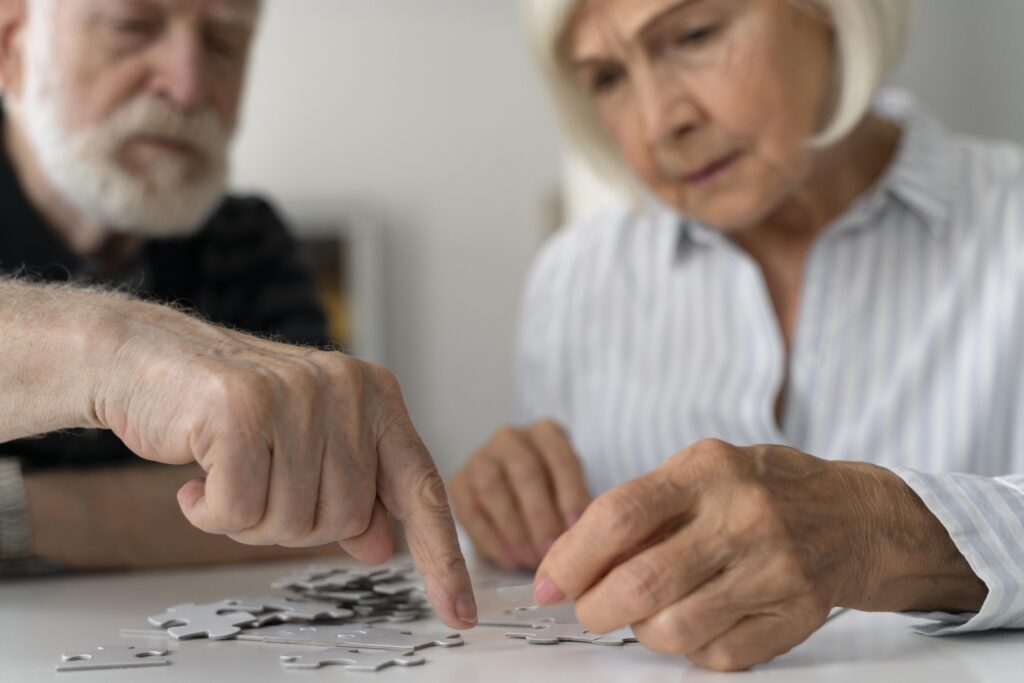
(667, 110)
(179, 72)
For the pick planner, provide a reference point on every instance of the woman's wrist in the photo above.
(912, 563)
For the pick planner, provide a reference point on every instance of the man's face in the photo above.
(130, 104)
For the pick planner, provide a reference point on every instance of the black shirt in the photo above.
(242, 269)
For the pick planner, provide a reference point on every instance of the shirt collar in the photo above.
(921, 177)
(922, 174)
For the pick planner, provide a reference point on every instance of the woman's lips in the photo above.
(708, 172)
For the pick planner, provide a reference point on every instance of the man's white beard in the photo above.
(83, 167)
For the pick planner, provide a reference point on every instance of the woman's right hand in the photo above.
(519, 493)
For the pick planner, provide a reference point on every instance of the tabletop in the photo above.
(42, 618)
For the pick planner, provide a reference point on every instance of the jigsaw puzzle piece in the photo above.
(351, 658)
(215, 620)
(394, 639)
(617, 637)
(113, 657)
(293, 634)
(552, 634)
(291, 609)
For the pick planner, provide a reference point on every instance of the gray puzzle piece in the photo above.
(311, 573)
(215, 620)
(552, 634)
(350, 635)
(289, 609)
(617, 637)
(355, 635)
(295, 634)
(521, 597)
(113, 657)
(556, 633)
(350, 658)
(495, 616)
(556, 614)
(344, 596)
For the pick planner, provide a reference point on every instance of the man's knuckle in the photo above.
(356, 522)
(429, 492)
(236, 519)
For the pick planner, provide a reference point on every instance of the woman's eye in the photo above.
(695, 37)
(133, 27)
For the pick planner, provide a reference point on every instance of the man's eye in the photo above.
(605, 80)
(219, 46)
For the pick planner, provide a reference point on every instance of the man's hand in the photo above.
(519, 493)
(300, 447)
(732, 556)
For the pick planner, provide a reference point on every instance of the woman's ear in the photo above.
(13, 18)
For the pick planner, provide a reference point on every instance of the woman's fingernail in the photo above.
(545, 592)
(465, 608)
(508, 559)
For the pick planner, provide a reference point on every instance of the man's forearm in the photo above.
(128, 517)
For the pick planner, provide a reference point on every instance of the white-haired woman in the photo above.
(801, 263)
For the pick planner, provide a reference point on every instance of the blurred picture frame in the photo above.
(344, 250)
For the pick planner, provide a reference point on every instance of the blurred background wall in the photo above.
(426, 116)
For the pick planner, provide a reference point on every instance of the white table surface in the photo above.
(40, 619)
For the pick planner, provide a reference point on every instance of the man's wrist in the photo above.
(58, 342)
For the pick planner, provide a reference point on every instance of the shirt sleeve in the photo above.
(542, 371)
(985, 519)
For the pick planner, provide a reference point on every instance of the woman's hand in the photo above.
(732, 556)
(519, 493)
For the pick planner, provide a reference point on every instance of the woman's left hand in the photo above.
(732, 556)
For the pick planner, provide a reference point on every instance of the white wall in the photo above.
(966, 64)
(428, 111)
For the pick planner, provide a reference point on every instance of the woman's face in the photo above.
(711, 102)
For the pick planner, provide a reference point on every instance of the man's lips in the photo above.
(166, 143)
(707, 172)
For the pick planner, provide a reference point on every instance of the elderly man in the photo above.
(117, 116)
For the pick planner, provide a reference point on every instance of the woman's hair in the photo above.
(869, 36)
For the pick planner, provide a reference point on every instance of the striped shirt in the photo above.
(643, 332)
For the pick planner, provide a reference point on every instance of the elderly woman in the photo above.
(803, 263)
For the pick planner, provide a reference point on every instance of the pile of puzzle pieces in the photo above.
(352, 612)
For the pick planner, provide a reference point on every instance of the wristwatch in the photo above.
(15, 532)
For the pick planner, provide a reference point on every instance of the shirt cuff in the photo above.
(985, 519)
(15, 532)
